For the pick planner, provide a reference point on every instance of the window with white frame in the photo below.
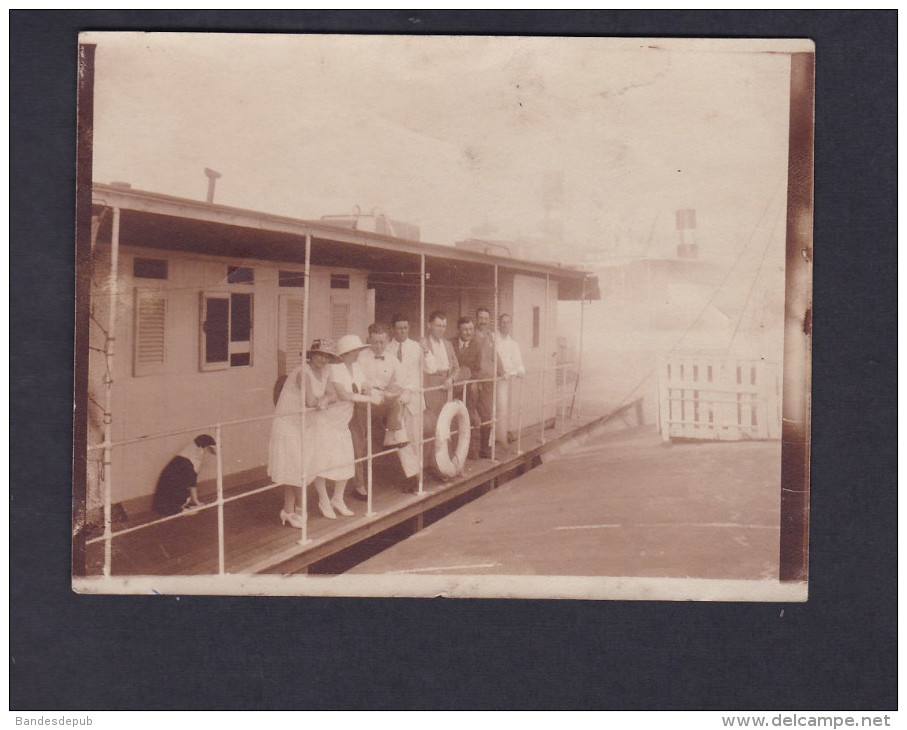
(226, 330)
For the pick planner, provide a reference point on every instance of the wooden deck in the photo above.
(256, 542)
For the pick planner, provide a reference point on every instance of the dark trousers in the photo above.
(485, 407)
(434, 402)
(479, 400)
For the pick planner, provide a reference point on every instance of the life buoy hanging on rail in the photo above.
(449, 465)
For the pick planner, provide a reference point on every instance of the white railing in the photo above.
(719, 398)
(562, 394)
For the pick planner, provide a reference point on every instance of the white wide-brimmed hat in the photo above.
(349, 343)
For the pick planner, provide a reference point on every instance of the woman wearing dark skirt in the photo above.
(176, 486)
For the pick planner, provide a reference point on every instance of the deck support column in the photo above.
(546, 346)
(304, 491)
(494, 374)
(112, 303)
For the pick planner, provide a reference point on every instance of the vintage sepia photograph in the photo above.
(466, 316)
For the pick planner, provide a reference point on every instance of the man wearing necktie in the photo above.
(442, 369)
(412, 362)
(383, 372)
(476, 361)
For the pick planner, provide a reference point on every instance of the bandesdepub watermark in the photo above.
(61, 720)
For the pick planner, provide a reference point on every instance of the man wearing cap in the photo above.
(350, 383)
(176, 489)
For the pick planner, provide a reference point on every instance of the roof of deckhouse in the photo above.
(167, 222)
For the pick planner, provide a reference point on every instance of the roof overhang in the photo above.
(169, 223)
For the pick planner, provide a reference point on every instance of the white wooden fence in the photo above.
(716, 398)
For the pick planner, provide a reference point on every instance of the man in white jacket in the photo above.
(412, 361)
(510, 362)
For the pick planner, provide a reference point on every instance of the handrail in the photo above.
(109, 535)
(270, 416)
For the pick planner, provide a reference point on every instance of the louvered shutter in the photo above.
(340, 318)
(150, 347)
(290, 346)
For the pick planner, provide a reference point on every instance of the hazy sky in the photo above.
(451, 133)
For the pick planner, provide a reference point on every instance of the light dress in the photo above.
(332, 454)
(287, 448)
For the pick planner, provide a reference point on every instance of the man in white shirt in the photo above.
(411, 361)
(442, 369)
(510, 364)
(382, 370)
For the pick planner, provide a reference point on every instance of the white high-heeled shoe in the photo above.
(327, 510)
(341, 507)
(291, 517)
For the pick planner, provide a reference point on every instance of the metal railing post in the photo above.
(547, 345)
(369, 452)
(519, 426)
(420, 437)
(563, 398)
(579, 357)
(219, 460)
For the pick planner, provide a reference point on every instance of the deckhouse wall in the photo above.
(180, 393)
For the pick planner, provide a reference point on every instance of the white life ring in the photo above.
(449, 465)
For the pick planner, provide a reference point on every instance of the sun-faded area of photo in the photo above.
(461, 316)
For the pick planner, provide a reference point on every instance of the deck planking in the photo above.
(255, 540)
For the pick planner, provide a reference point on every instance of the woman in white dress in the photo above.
(332, 446)
(326, 449)
(287, 449)
(351, 385)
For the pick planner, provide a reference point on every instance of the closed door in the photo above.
(535, 330)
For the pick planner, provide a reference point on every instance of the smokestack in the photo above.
(686, 227)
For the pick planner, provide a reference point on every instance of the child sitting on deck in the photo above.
(176, 489)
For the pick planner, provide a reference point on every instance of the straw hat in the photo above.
(349, 343)
(322, 347)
